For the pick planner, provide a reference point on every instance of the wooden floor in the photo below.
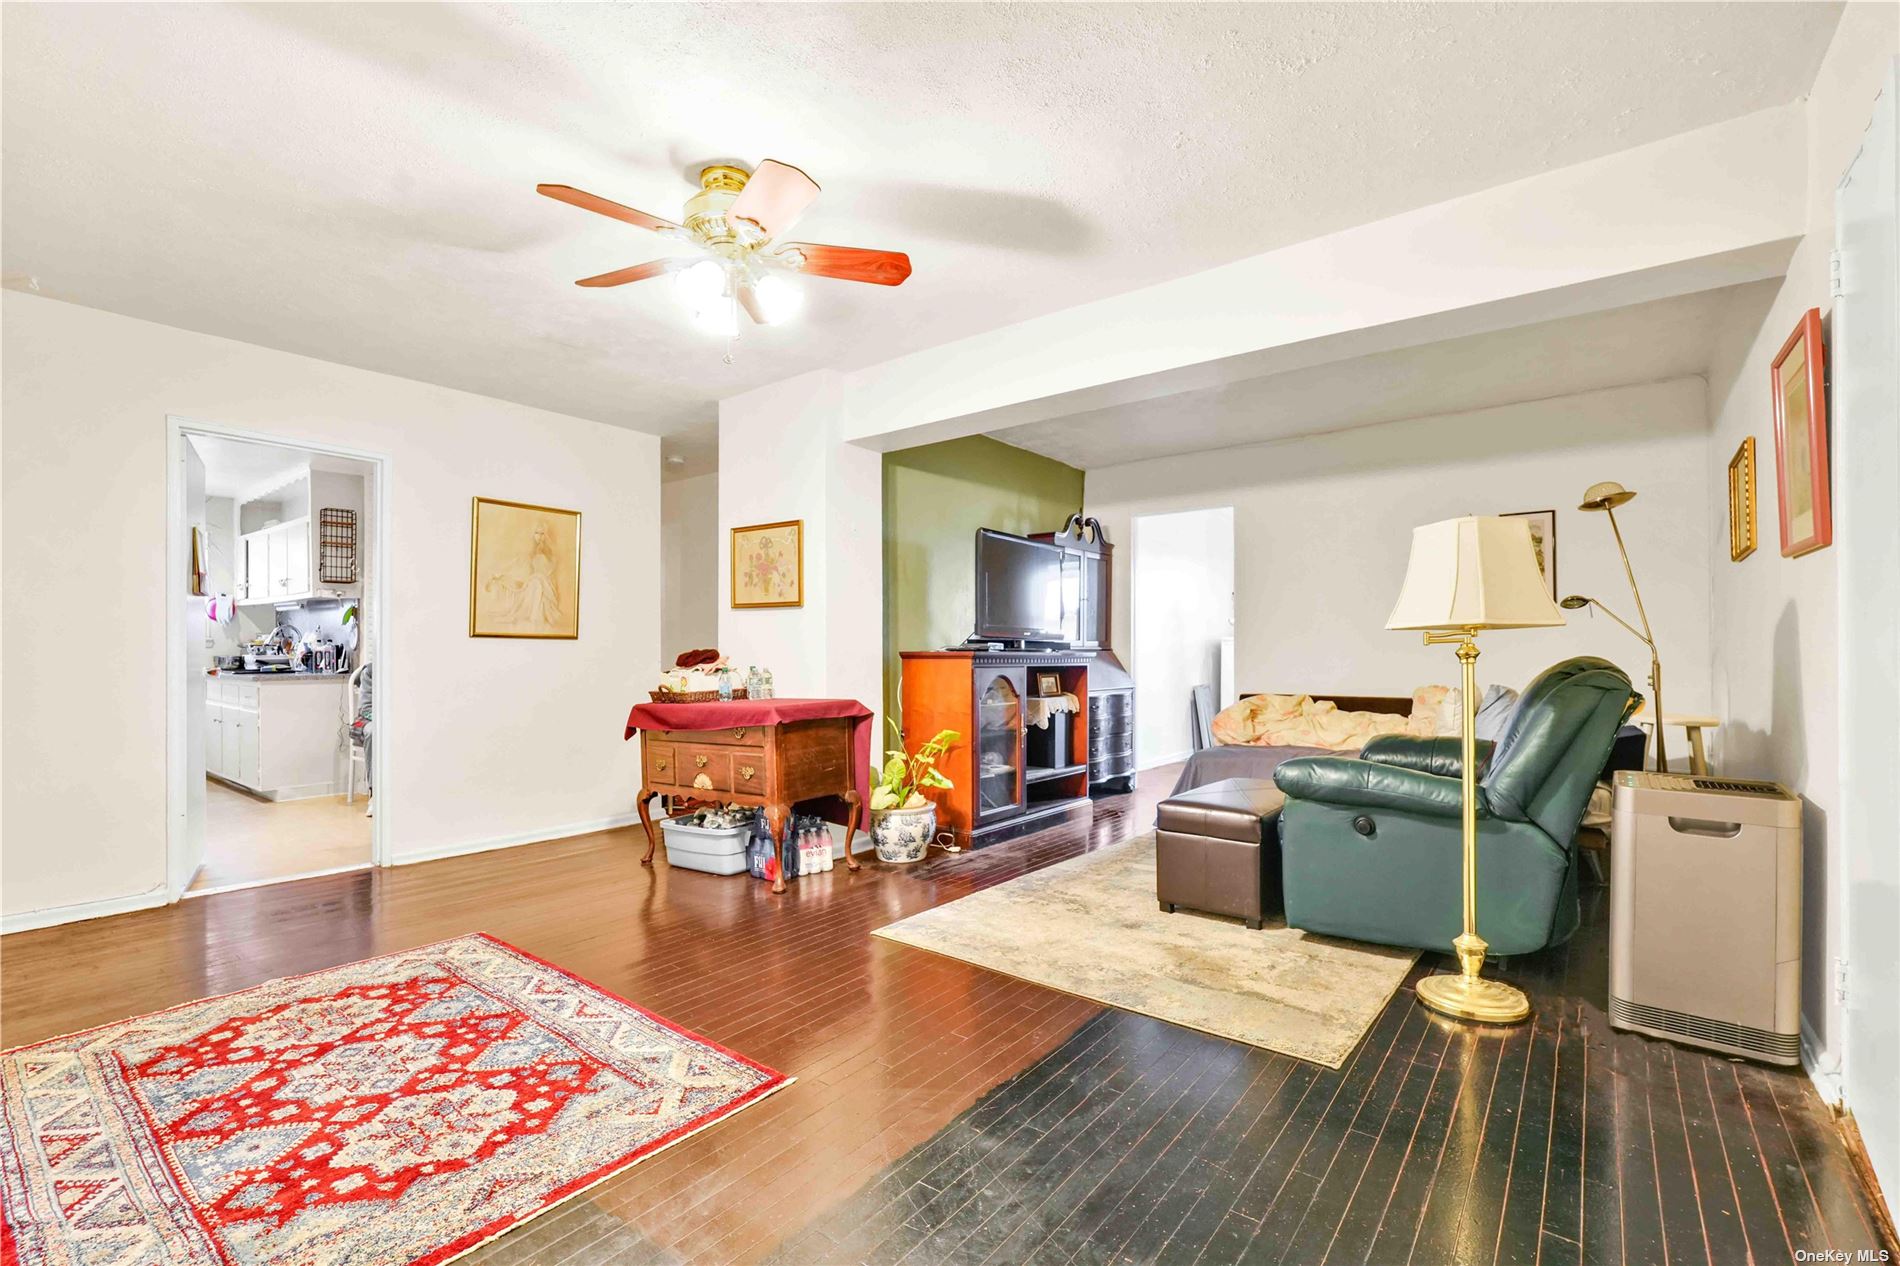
(944, 1113)
(248, 838)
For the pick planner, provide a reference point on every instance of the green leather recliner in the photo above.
(1372, 848)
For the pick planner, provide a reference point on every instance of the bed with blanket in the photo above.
(1255, 735)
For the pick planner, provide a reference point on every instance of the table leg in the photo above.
(776, 816)
(850, 828)
(1698, 758)
(641, 802)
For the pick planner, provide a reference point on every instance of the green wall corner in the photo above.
(935, 498)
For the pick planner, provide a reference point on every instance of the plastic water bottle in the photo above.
(725, 685)
(765, 683)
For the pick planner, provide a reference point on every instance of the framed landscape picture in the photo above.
(1544, 541)
(1741, 502)
(768, 565)
(1801, 479)
(524, 571)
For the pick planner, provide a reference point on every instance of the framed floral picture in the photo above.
(524, 571)
(1741, 501)
(1801, 475)
(768, 565)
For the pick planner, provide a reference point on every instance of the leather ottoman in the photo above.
(1217, 849)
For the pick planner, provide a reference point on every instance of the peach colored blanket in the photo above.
(1303, 721)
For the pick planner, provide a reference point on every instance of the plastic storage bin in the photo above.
(716, 851)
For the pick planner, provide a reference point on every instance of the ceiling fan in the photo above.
(734, 220)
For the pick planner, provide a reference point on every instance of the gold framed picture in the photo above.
(768, 565)
(1544, 541)
(1741, 502)
(524, 570)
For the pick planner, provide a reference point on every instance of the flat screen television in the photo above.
(1018, 589)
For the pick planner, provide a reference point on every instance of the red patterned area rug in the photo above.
(400, 1110)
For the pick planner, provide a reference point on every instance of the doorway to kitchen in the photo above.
(277, 624)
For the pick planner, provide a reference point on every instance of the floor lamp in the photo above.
(1478, 572)
(1606, 497)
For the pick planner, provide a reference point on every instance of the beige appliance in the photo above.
(1705, 913)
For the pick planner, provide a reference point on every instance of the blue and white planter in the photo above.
(903, 835)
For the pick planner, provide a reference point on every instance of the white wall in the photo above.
(491, 741)
(780, 458)
(1183, 566)
(1323, 526)
(689, 564)
(1775, 618)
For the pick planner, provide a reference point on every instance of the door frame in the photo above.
(177, 543)
(1135, 519)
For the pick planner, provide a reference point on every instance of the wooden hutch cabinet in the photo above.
(1088, 578)
(985, 696)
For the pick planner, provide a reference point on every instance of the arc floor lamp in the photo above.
(1606, 497)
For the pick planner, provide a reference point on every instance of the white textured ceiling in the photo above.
(356, 182)
(1646, 342)
(243, 468)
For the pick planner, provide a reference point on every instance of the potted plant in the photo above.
(903, 819)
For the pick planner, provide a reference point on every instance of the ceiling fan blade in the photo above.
(749, 300)
(847, 263)
(612, 210)
(773, 198)
(639, 272)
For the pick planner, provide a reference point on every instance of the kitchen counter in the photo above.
(276, 677)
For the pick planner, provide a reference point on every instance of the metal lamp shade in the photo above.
(1475, 572)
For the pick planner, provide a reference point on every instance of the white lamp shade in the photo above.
(1478, 572)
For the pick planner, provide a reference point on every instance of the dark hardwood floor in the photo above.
(947, 1114)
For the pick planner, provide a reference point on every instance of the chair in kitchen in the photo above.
(358, 731)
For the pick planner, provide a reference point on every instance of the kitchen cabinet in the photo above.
(277, 564)
(280, 563)
(277, 736)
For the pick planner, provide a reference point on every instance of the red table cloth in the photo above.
(750, 712)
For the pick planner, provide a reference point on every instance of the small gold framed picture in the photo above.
(1741, 502)
(1048, 684)
(524, 570)
(768, 565)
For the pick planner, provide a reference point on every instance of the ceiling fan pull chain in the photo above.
(732, 339)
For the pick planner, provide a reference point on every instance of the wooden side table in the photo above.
(1694, 726)
(771, 766)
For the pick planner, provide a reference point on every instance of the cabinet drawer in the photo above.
(1111, 745)
(710, 763)
(660, 765)
(1110, 711)
(747, 735)
(748, 771)
(1112, 767)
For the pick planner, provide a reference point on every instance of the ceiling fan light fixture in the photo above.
(779, 299)
(703, 285)
(718, 318)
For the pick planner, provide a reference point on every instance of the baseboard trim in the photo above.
(53, 916)
(443, 851)
(1172, 758)
(1826, 1079)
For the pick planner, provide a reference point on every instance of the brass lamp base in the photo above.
(1474, 998)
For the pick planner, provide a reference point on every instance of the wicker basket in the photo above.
(692, 696)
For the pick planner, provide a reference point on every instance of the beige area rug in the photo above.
(1090, 926)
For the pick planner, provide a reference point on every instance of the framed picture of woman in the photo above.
(1801, 476)
(524, 571)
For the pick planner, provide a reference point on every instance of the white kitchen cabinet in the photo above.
(278, 737)
(277, 546)
(297, 571)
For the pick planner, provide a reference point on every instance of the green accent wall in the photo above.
(935, 498)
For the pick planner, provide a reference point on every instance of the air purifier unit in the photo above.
(1705, 913)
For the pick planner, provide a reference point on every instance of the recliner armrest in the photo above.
(1341, 780)
(1441, 756)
